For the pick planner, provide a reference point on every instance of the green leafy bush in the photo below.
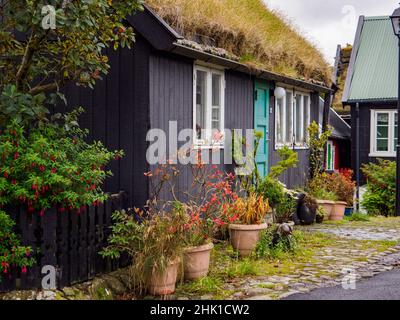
(357, 216)
(52, 165)
(273, 246)
(380, 197)
(317, 142)
(285, 209)
(12, 253)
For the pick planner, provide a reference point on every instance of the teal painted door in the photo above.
(261, 124)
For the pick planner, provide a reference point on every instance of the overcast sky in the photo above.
(328, 23)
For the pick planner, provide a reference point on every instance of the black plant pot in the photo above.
(319, 219)
(306, 215)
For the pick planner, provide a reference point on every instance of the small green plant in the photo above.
(12, 253)
(243, 268)
(285, 210)
(317, 142)
(274, 245)
(357, 216)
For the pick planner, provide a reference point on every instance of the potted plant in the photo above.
(321, 215)
(196, 255)
(285, 210)
(251, 212)
(154, 241)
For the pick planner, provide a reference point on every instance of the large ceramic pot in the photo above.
(244, 238)
(196, 261)
(327, 205)
(163, 283)
(338, 211)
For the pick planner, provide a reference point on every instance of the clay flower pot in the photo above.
(244, 238)
(196, 261)
(163, 283)
(338, 211)
(327, 205)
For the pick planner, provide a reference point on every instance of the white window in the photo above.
(330, 156)
(292, 119)
(383, 133)
(208, 113)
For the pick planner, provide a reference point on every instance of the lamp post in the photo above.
(395, 17)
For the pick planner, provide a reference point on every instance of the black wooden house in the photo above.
(159, 80)
(371, 92)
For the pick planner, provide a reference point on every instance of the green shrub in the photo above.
(380, 196)
(12, 253)
(285, 209)
(272, 190)
(273, 246)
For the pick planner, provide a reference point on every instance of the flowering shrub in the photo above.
(52, 165)
(337, 186)
(12, 254)
(208, 202)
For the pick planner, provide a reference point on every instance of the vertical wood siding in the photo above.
(116, 113)
(365, 135)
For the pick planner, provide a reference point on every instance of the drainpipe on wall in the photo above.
(357, 207)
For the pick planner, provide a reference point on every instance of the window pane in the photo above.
(216, 90)
(289, 117)
(383, 132)
(307, 118)
(382, 145)
(201, 102)
(279, 121)
(216, 116)
(299, 119)
(383, 119)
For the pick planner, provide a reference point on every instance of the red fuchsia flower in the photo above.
(34, 187)
(117, 157)
(5, 174)
(16, 156)
(42, 168)
(24, 270)
(14, 182)
(93, 187)
(42, 212)
(54, 170)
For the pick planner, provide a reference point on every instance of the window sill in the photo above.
(278, 147)
(201, 147)
(382, 155)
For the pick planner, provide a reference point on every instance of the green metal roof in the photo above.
(373, 73)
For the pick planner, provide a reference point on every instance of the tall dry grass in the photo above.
(247, 28)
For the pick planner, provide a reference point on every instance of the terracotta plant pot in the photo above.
(196, 261)
(338, 211)
(163, 283)
(327, 205)
(244, 238)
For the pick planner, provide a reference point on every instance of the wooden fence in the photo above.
(68, 241)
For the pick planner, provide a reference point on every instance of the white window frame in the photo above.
(392, 148)
(333, 159)
(293, 142)
(208, 143)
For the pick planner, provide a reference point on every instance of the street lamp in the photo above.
(395, 17)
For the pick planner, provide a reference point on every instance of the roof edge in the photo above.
(354, 54)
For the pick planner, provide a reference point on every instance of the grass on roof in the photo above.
(261, 37)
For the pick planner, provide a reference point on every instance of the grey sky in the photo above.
(328, 23)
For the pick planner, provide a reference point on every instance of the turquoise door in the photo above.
(261, 124)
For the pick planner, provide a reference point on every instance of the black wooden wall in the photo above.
(365, 134)
(117, 114)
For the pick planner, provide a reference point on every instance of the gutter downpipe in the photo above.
(358, 157)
